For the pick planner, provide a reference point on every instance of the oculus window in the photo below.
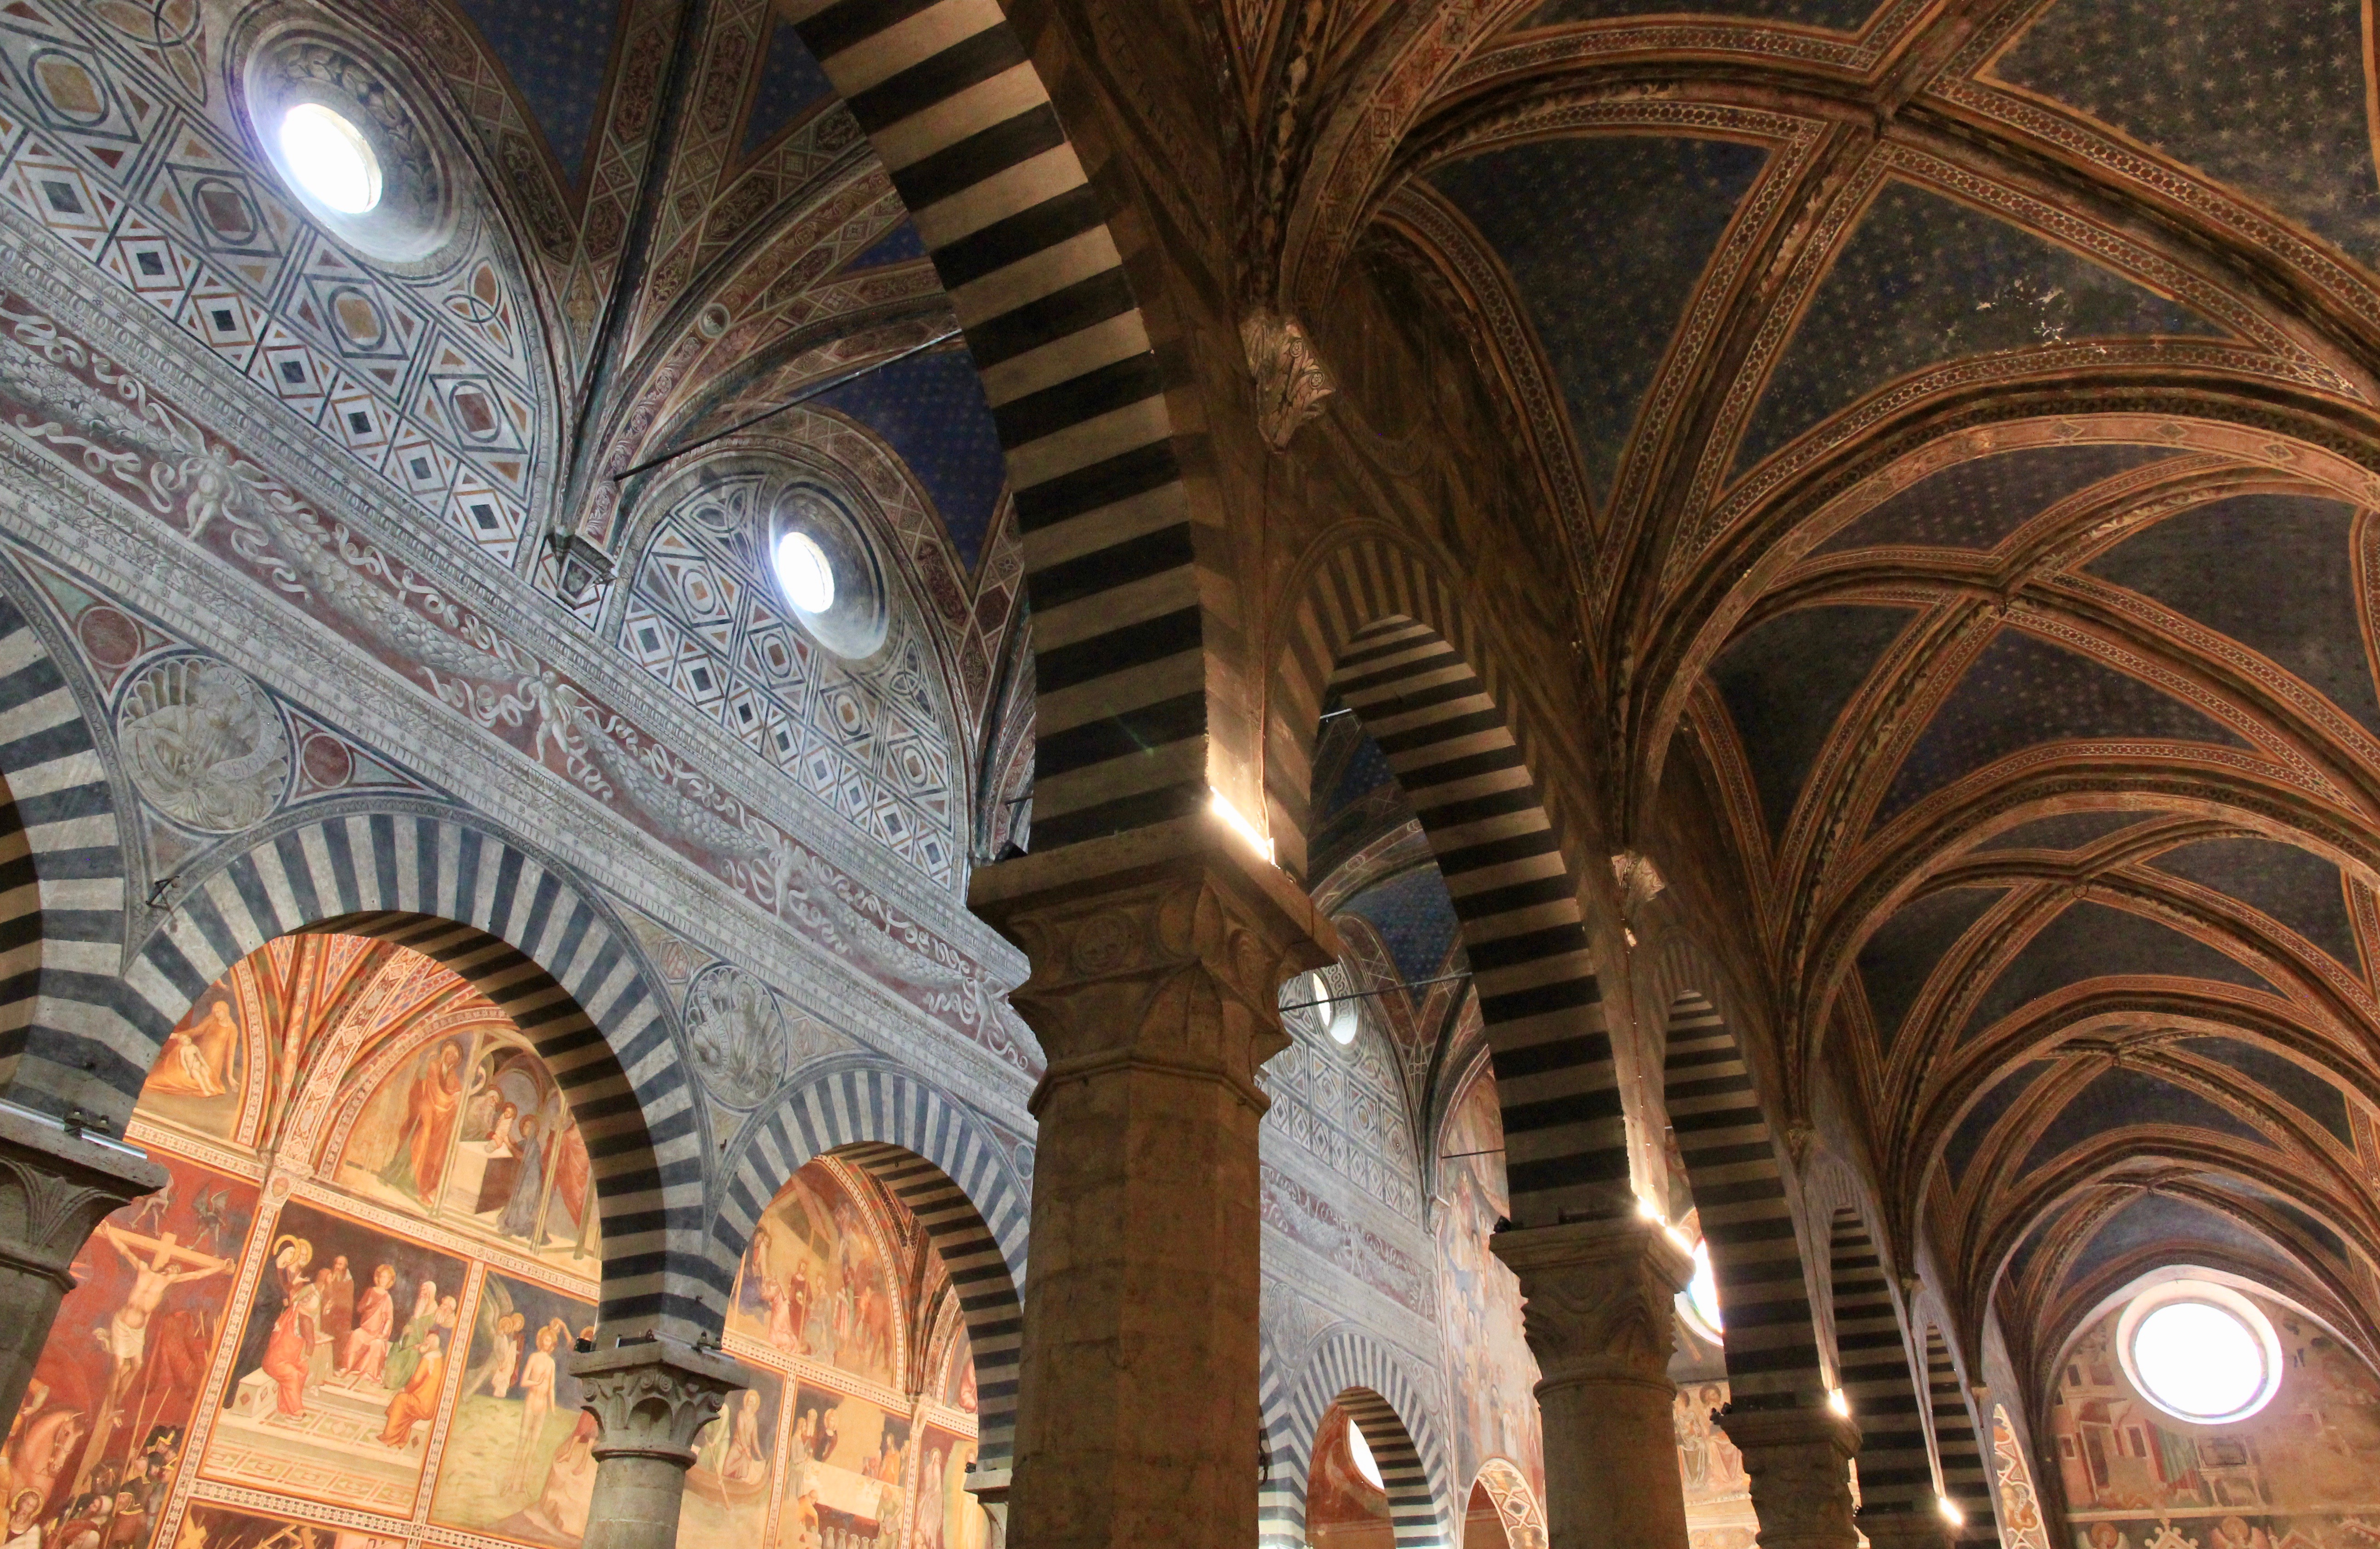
(2200, 1351)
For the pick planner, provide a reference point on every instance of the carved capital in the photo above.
(55, 1186)
(1798, 1461)
(653, 1396)
(1598, 1299)
(1291, 381)
(1908, 1529)
(1164, 948)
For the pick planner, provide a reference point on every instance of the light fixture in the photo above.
(329, 159)
(1360, 1451)
(804, 573)
(1838, 1401)
(1950, 1510)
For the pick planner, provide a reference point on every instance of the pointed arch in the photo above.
(1896, 1470)
(524, 932)
(942, 1163)
(62, 893)
(1966, 1479)
(1517, 902)
(959, 114)
(1739, 1185)
(1350, 1369)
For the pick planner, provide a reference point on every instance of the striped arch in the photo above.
(1348, 1368)
(62, 885)
(1772, 1345)
(533, 939)
(1896, 1470)
(1281, 1487)
(934, 1157)
(1966, 1477)
(952, 104)
(1540, 1001)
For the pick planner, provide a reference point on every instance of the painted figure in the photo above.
(196, 1062)
(366, 1353)
(418, 1159)
(418, 1327)
(419, 1401)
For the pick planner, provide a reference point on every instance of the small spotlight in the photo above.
(1839, 1402)
(1950, 1512)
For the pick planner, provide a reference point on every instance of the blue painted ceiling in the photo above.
(930, 408)
(557, 53)
(1604, 239)
(2068, 830)
(2118, 1098)
(792, 82)
(2298, 888)
(2268, 96)
(1925, 280)
(1898, 959)
(2095, 940)
(1976, 503)
(2276, 572)
(1785, 683)
(2024, 691)
(1414, 917)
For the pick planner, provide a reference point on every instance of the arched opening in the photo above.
(381, 1237)
(851, 1314)
(1730, 1159)
(1501, 1512)
(1966, 1483)
(1365, 1487)
(1896, 1473)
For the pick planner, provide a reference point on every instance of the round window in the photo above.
(1335, 1014)
(336, 125)
(804, 573)
(2200, 1351)
(1702, 1292)
(827, 575)
(330, 159)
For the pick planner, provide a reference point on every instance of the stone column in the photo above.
(990, 1488)
(1908, 1529)
(1600, 1315)
(1158, 958)
(1798, 1461)
(55, 1185)
(651, 1399)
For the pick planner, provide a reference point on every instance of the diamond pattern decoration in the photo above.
(427, 381)
(704, 617)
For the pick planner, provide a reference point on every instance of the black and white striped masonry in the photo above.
(966, 128)
(1966, 1472)
(1350, 1369)
(1518, 905)
(1896, 1470)
(1772, 1346)
(935, 1158)
(61, 883)
(525, 934)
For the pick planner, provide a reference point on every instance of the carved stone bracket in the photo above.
(1164, 948)
(1798, 1460)
(1600, 1303)
(653, 1397)
(1291, 381)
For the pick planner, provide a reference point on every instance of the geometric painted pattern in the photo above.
(1345, 1106)
(426, 382)
(705, 618)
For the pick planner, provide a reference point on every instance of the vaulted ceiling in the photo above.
(1965, 413)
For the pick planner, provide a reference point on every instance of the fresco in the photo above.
(106, 1419)
(2295, 1475)
(815, 1282)
(2021, 1526)
(1343, 1509)
(1719, 1493)
(948, 1518)
(383, 1332)
(1491, 1373)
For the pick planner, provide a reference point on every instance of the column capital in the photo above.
(652, 1397)
(1598, 1299)
(55, 1186)
(1159, 950)
(1798, 1462)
